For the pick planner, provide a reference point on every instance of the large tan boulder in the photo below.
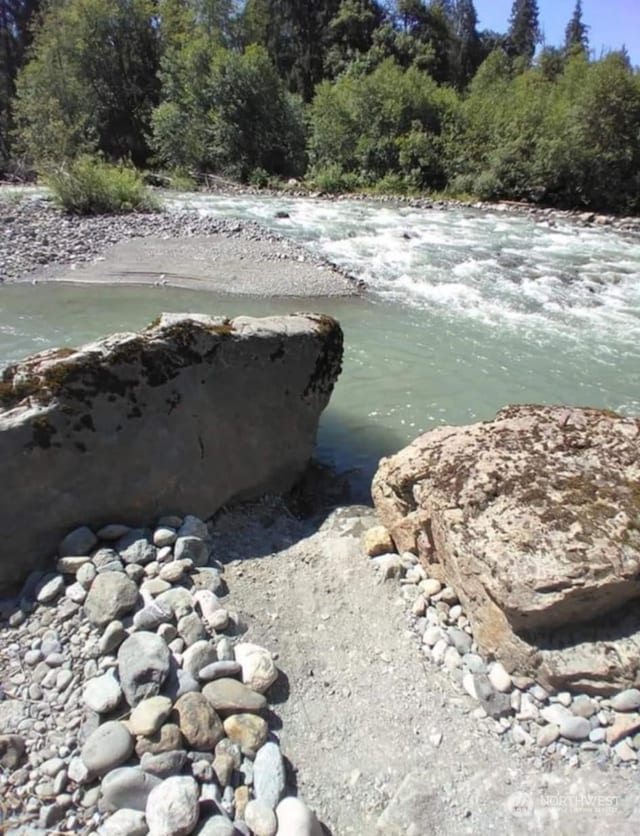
(534, 519)
(187, 416)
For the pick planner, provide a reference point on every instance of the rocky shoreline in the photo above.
(36, 235)
(131, 702)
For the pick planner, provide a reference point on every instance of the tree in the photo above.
(351, 33)
(227, 112)
(16, 18)
(576, 34)
(524, 28)
(467, 56)
(91, 82)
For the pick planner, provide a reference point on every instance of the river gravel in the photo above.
(35, 235)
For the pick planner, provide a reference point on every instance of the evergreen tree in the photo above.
(351, 33)
(576, 37)
(467, 56)
(16, 18)
(524, 28)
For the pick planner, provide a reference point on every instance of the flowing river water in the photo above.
(466, 311)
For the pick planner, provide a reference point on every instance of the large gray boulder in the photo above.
(534, 519)
(187, 416)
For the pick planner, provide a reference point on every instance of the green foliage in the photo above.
(333, 180)
(389, 122)
(91, 82)
(89, 186)
(524, 28)
(227, 112)
(576, 34)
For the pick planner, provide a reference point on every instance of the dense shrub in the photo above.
(89, 186)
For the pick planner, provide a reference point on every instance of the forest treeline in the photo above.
(351, 94)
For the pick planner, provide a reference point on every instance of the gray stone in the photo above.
(147, 717)
(583, 706)
(217, 826)
(239, 387)
(628, 700)
(199, 656)
(229, 696)
(143, 666)
(191, 629)
(124, 823)
(178, 600)
(86, 574)
(208, 578)
(128, 787)
(109, 746)
(575, 728)
(193, 548)
(164, 536)
(296, 819)
(112, 532)
(477, 686)
(499, 678)
(152, 616)
(111, 595)
(113, 636)
(218, 670)
(461, 641)
(49, 588)
(135, 547)
(102, 694)
(193, 526)
(260, 818)
(78, 542)
(12, 749)
(173, 807)
(164, 764)
(269, 774)
(71, 565)
(178, 683)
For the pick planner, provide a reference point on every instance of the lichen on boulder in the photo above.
(190, 414)
(534, 519)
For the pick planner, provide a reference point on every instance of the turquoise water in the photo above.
(465, 312)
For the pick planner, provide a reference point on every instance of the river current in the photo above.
(466, 311)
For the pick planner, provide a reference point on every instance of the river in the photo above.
(466, 311)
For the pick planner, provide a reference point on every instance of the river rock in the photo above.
(217, 826)
(531, 519)
(107, 747)
(143, 666)
(269, 774)
(219, 670)
(172, 807)
(229, 695)
(198, 656)
(111, 595)
(258, 668)
(296, 819)
(167, 739)
(135, 547)
(164, 764)
(124, 823)
(128, 787)
(260, 818)
(49, 588)
(102, 694)
(209, 383)
(247, 730)
(147, 717)
(12, 749)
(78, 542)
(198, 721)
(628, 700)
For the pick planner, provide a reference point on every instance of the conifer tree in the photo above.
(576, 37)
(524, 28)
(467, 56)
